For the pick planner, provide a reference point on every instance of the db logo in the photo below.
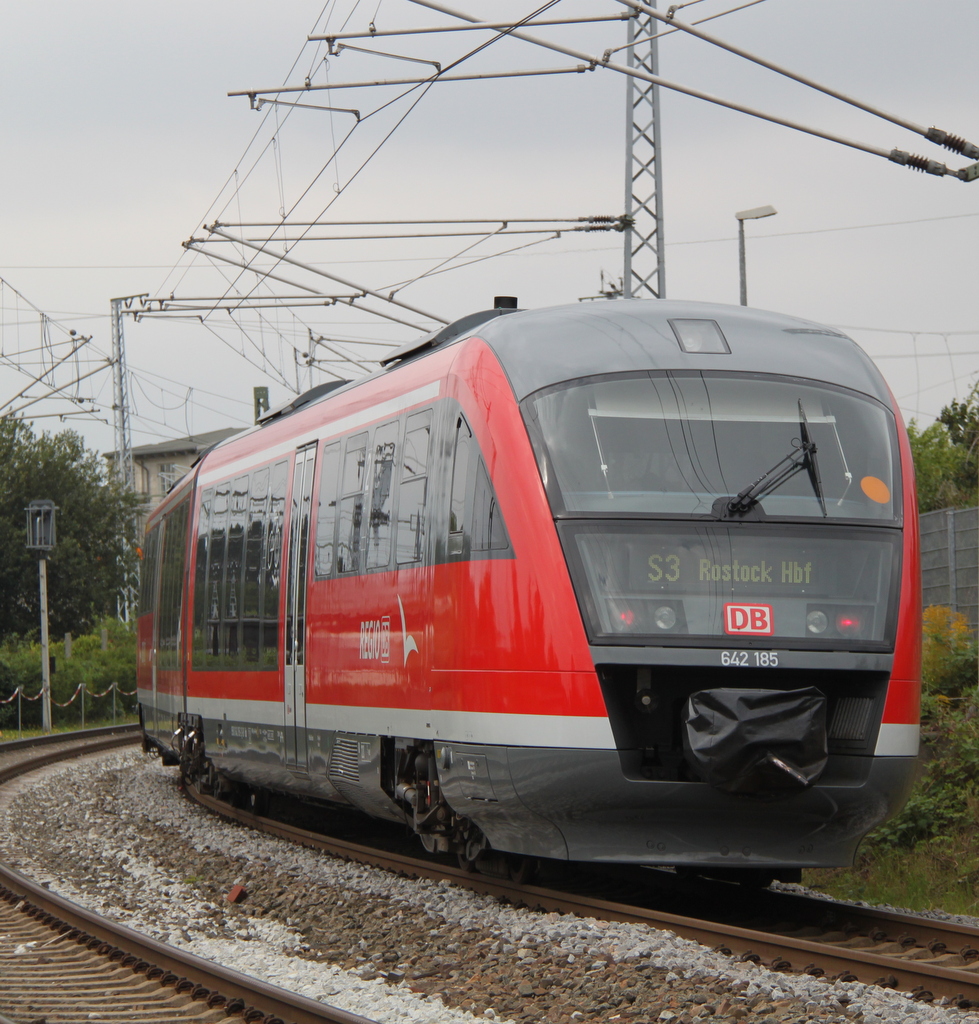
(749, 618)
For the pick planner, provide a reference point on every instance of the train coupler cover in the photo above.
(756, 741)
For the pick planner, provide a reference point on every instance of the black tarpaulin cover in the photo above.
(756, 741)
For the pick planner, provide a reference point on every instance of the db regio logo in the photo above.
(375, 639)
(752, 619)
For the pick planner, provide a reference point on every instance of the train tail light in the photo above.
(646, 617)
(848, 624)
(829, 622)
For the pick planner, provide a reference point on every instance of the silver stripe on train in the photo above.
(897, 740)
(372, 414)
(458, 726)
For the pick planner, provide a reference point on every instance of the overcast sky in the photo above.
(121, 142)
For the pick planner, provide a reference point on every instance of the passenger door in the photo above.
(295, 654)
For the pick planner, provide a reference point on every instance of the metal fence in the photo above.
(950, 560)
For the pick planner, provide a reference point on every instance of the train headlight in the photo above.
(816, 622)
(664, 617)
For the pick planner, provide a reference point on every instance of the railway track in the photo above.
(784, 931)
(61, 963)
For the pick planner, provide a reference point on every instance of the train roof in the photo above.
(540, 347)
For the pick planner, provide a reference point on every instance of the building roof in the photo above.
(191, 445)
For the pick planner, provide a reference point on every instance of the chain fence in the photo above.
(81, 692)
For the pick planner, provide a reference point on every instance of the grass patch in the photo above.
(942, 872)
(926, 856)
(13, 734)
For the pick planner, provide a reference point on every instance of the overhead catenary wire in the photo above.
(51, 393)
(480, 26)
(936, 135)
(896, 156)
(544, 7)
(233, 176)
(436, 79)
(285, 258)
(252, 262)
(406, 259)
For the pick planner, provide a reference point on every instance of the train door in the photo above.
(146, 629)
(295, 652)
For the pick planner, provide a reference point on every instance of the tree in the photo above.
(946, 456)
(94, 555)
(962, 421)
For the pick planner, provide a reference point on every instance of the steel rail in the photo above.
(798, 953)
(56, 911)
(91, 741)
(68, 737)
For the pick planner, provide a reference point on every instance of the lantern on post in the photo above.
(41, 539)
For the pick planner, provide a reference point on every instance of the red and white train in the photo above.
(630, 581)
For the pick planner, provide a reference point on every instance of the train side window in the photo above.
(251, 594)
(234, 557)
(298, 557)
(172, 565)
(215, 573)
(488, 529)
(200, 578)
(413, 491)
(382, 496)
(352, 504)
(147, 572)
(326, 511)
(459, 491)
(272, 579)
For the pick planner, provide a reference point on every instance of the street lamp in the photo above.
(40, 538)
(755, 214)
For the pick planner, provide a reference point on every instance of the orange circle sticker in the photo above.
(875, 489)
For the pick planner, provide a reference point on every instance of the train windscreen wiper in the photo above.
(810, 460)
(802, 456)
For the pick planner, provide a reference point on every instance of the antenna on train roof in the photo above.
(502, 304)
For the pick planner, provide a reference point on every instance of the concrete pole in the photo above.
(45, 652)
(741, 263)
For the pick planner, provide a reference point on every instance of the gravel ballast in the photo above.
(116, 835)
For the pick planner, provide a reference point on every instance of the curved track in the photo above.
(64, 962)
(784, 931)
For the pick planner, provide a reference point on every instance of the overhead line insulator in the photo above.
(953, 142)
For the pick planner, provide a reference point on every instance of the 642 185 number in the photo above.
(747, 659)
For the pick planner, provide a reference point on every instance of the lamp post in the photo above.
(40, 538)
(755, 214)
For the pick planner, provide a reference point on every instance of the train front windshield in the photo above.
(724, 506)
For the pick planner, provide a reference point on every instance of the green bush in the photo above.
(944, 797)
(949, 653)
(20, 665)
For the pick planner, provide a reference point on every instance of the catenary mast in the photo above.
(644, 268)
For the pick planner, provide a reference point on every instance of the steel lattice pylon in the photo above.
(120, 399)
(644, 269)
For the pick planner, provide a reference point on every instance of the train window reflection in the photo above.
(673, 444)
(171, 588)
(382, 487)
(460, 480)
(352, 504)
(326, 510)
(237, 572)
(413, 491)
(488, 531)
(147, 574)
